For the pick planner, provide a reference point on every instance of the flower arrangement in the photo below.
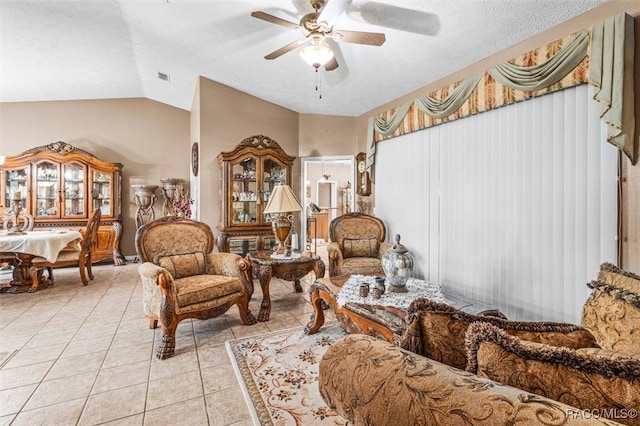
(182, 207)
(181, 204)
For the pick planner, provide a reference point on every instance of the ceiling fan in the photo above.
(316, 27)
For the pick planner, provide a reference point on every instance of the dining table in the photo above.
(27, 245)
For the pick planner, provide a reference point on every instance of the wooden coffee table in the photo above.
(383, 322)
(289, 269)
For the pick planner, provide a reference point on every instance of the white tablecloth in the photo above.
(350, 293)
(47, 244)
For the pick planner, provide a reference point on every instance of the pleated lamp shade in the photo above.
(282, 200)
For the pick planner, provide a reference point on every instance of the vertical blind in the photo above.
(516, 207)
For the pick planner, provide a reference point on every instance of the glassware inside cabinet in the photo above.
(101, 193)
(16, 182)
(74, 196)
(47, 189)
(274, 173)
(244, 192)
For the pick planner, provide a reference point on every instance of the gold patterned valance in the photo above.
(601, 55)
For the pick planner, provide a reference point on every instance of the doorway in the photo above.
(327, 184)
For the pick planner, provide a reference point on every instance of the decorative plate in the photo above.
(194, 158)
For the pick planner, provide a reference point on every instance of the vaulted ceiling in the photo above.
(102, 49)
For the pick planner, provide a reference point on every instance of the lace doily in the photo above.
(349, 293)
(284, 256)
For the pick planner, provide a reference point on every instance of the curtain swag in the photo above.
(446, 107)
(609, 46)
(544, 75)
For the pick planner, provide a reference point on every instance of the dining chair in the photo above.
(81, 258)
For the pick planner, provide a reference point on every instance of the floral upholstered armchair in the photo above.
(357, 245)
(182, 278)
(516, 372)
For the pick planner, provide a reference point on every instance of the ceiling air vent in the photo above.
(163, 76)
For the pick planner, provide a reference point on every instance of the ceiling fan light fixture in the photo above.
(317, 54)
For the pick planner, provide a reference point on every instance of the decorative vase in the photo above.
(397, 264)
(171, 189)
(144, 196)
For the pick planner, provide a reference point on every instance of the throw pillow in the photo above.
(612, 312)
(437, 330)
(183, 265)
(559, 373)
(360, 247)
(611, 274)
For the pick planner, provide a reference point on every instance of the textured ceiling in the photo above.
(100, 49)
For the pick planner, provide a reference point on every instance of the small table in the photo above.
(383, 322)
(26, 246)
(289, 269)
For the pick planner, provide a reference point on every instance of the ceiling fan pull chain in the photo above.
(318, 84)
(317, 80)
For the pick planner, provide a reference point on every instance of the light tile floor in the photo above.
(86, 356)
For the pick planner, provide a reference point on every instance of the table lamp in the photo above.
(282, 201)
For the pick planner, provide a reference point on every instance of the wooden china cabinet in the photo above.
(248, 174)
(61, 185)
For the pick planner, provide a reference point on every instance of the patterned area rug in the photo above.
(279, 376)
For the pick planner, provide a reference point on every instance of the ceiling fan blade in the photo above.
(359, 37)
(275, 20)
(286, 48)
(341, 73)
(331, 65)
(400, 18)
(332, 10)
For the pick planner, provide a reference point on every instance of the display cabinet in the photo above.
(248, 174)
(61, 185)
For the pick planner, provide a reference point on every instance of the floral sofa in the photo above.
(516, 372)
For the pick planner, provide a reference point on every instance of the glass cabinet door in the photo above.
(274, 174)
(47, 187)
(101, 186)
(74, 187)
(16, 183)
(244, 192)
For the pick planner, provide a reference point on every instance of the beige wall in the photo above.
(324, 135)
(227, 116)
(150, 139)
(153, 140)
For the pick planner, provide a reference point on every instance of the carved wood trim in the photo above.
(256, 145)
